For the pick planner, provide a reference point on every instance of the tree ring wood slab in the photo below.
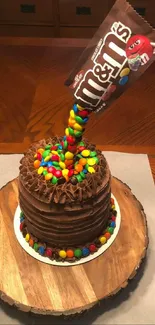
(45, 289)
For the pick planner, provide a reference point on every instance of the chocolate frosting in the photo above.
(59, 193)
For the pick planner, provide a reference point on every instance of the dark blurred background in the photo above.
(61, 18)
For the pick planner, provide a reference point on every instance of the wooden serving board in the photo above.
(41, 288)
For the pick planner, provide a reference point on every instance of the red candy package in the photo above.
(118, 54)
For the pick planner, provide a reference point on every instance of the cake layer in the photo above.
(64, 215)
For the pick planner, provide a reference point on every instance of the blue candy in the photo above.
(21, 219)
(85, 120)
(85, 251)
(41, 250)
(85, 171)
(64, 137)
(60, 147)
(113, 224)
(49, 164)
(123, 80)
(75, 109)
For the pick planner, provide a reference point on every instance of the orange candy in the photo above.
(68, 162)
(37, 163)
(66, 178)
(31, 242)
(75, 172)
(82, 161)
(70, 253)
(107, 235)
(71, 122)
(79, 168)
(40, 150)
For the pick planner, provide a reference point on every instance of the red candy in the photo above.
(21, 225)
(54, 148)
(71, 173)
(70, 167)
(58, 173)
(55, 158)
(51, 169)
(113, 218)
(71, 148)
(39, 156)
(112, 201)
(70, 139)
(92, 248)
(81, 148)
(83, 113)
(48, 252)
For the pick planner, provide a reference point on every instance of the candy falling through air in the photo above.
(69, 160)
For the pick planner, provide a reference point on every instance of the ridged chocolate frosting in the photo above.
(64, 215)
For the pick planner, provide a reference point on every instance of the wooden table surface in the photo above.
(34, 103)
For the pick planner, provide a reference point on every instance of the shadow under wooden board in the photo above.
(34, 286)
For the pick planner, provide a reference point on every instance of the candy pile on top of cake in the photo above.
(65, 195)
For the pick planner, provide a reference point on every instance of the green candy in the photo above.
(45, 172)
(78, 134)
(79, 120)
(86, 166)
(48, 146)
(71, 131)
(55, 163)
(78, 253)
(82, 174)
(35, 247)
(54, 180)
(65, 144)
(79, 156)
(96, 160)
(79, 178)
(21, 214)
(58, 168)
(62, 157)
(81, 144)
(46, 153)
(59, 151)
(57, 144)
(111, 230)
(93, 154)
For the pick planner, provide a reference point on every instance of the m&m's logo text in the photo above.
(107, 64)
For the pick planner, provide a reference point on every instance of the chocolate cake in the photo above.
(68, 214)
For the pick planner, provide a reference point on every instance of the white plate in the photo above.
(47, 260)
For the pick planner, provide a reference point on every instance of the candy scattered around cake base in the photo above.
(70, 254)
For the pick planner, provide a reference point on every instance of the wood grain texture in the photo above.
(45, 289)
(34, 103)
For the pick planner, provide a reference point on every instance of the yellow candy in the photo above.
(67, 132)
(27, 237)
(103, 240)
(40, 170)
(77, 127)
(62, 165)
(48, 176)
(35, 156)
(47, 158)
(54, 153)
(65, 172)
(69, 155)
(85, 153)
(62, 254)
(124, 72)
(80, 107)
(91, 170)
(41, 150)
(113, 207)
(91, 161)
(72, 114)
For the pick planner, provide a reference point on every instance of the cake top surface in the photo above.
(52, 175)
